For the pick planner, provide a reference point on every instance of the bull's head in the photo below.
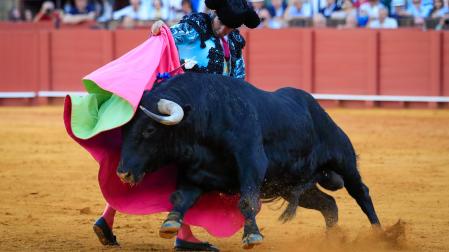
(147, 141)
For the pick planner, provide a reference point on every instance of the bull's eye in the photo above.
(148, 132)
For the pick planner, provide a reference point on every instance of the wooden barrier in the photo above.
(19, 61)
(76, 53)
(125, 40)
(342, 61)
(405, 63)
(341, 66)
(16, 26)
(275, 58)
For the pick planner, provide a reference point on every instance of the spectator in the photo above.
(440, 12)
(398, 9)
(186, 7)
(266, 20)
(298, 9)
(264, 14)
(358, 3)
(351, 22)
(383, 22)
(48, 13)
(258, 6)
(128, 22)
(158, 11)
(178, 9)
(371, 9)
(277, 11)
(347, 9)
(135, 11)
(199, 6)
(28, 15)
(105, 8)
(331, 6)
(319, 21)
(174, 10)
(426, 4)
(78, 11)
(362, 18)
(277, 8)
(19, 13)
(418, 11)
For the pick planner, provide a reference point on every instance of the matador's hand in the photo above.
(156, 27)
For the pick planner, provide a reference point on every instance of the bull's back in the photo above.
(334, 142)
(315, 131)
(289, 109)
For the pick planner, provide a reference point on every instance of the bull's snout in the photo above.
(126, 177)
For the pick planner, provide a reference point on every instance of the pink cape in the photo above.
(128, 77)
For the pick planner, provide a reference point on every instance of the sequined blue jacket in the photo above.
(194, 39)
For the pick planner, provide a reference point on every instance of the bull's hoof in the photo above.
(252, 240)
(104, 233)
(169, 229)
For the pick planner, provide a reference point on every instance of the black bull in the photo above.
(226, 135)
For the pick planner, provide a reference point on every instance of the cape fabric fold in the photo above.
(94, 121)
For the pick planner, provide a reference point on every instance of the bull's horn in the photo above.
(172, 109)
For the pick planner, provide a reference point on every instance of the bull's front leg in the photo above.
(182, 199)
(252, 165)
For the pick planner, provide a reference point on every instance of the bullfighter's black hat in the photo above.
(234, 13)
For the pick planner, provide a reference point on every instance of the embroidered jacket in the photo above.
(194, 39)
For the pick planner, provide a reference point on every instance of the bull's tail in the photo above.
(289, 212)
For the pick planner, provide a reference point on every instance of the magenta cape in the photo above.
(115, 91)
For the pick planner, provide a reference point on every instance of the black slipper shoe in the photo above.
(181, 245)
(104, 233)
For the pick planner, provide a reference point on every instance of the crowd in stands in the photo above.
(429, 14)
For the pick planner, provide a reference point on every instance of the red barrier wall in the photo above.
(75, 53)
(324, 61)
(342, 61)
(405, 63)
(125, 40)
(5, 26)
(274, 57)
(19, 61)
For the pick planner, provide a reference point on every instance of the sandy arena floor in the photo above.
(49, 195)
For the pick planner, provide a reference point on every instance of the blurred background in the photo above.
(427, 14)
(361, 52)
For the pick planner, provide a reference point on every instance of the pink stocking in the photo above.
(185, 234)
(108, 215)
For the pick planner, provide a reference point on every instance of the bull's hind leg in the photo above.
(316, 199)
(359, 191)
(182, 199)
